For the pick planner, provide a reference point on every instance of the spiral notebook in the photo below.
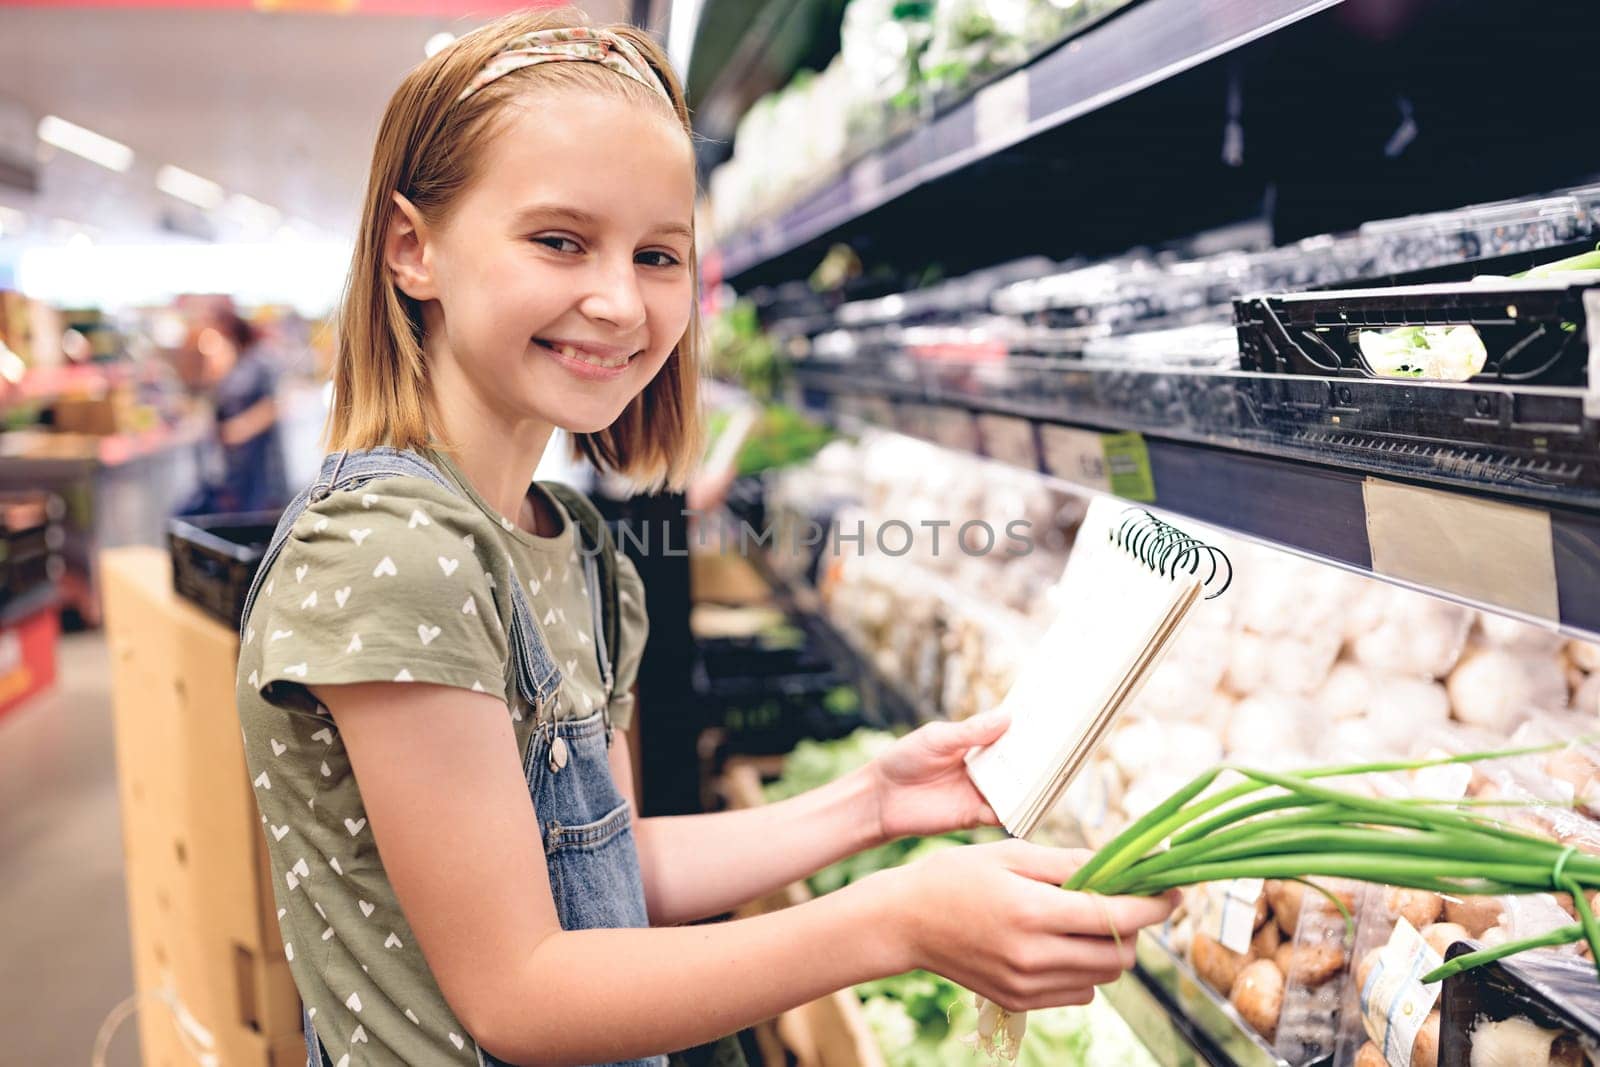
(1130, 584)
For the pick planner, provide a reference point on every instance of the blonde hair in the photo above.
(427, 150)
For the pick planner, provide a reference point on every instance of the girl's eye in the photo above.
(558, 243)
(658, 259)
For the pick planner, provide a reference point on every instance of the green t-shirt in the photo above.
(399, 580)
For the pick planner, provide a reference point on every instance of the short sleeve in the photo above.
(633, 629)
(380, 584)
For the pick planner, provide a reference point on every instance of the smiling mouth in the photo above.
(568, 352)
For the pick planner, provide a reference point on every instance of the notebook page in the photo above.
(1113, 609)
(1087, 745)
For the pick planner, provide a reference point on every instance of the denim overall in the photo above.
(585, 822)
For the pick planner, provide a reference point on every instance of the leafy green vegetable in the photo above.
(1440, 353)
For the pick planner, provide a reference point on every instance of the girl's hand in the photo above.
(921, 783)
(993, 919)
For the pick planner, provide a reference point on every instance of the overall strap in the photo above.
(537, 676)
(599, 552)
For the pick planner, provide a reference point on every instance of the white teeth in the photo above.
(569, 352)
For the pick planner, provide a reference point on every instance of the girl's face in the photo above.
(560, 282)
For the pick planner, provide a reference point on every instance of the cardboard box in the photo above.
(201, 911)
(725, 578)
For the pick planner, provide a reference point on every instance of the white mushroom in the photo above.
(1301, 665)
(1403, 708)
(1513, 1042)
(1496, 689)
(1585, 654)
(1247, 664)
(1346, 692)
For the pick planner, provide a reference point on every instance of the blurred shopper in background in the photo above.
(250, 473)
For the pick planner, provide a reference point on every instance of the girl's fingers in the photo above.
(1051, 865)
(1125, 915)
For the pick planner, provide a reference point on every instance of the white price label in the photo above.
(1009, 440)
(1228, 916)
(1591, 312)
(1000, 111)
(955, 429)
(877, 411)
(1394, 1002)
(1077, 456)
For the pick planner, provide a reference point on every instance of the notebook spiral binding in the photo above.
(1167, 550)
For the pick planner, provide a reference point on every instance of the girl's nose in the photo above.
(615, 297)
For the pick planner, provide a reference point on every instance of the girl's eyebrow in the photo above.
(579, 217)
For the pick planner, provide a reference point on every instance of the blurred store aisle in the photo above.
(63, 914)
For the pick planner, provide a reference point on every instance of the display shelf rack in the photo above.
(1143, 45)
(1510, 524)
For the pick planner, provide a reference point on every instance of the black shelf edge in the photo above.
(1142, 46)
(1305, 504)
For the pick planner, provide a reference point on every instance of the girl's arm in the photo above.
(695, 866)
(445, 795)
(250, 423)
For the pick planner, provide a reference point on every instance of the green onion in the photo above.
(1300, 828)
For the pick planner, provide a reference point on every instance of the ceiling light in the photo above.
(252, 212)
(12, 221)
(175, 181)
(438, 43)
(80, 240)
(114, 155)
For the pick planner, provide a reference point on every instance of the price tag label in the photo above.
(1394, 1002)
(866, 183)
(1000, 110)
(955, 429)
(1128, 466)
(1074, 455)
(1228, 915)
(1591, 311)
(1009, 440)
(1116, 463)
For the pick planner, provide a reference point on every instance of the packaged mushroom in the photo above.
(1387, 1016)
(1275, 950)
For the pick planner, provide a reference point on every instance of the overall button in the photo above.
(558, 753)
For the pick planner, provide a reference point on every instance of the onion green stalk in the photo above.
(1297, 828)
(1292, 826)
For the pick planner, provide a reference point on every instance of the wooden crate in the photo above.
(830, 1032)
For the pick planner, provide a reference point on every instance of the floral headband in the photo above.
(573, 43)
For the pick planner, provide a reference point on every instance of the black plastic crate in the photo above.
(215, 558)
(1557, 992)
(1535, 332)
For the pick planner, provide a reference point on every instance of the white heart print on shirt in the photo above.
(384, 568)
(448, 566)
(427, 633)
(359, 536)
(418, 519)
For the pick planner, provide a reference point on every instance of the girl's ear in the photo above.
(406, 251)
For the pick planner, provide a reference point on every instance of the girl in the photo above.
(430, 705)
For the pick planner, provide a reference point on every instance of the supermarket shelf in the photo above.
(1449, 522)
(1144, 45)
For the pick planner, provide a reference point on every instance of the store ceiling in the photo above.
(279, 107)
